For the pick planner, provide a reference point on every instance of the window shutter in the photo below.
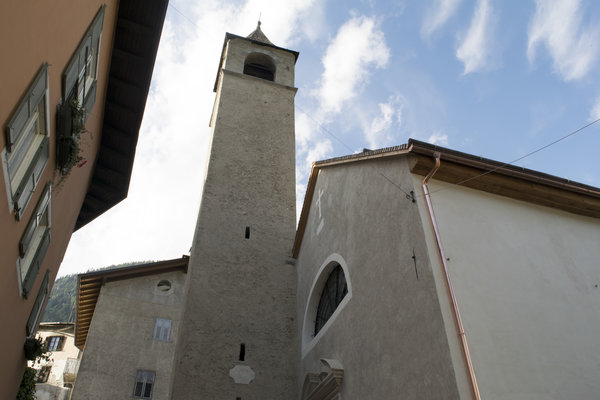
(96, 28)
(38, 89)
(36, 263)
(70, 76)
(34, 95)
(27, 237)
(32, 177)
(22, 196)
(40, 160)
(90, 99)
(37, 306)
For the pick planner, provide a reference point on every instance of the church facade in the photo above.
(415, 271)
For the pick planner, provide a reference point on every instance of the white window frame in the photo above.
(142, 380)
(55, 343)
(28, 144)
(162, 329)
(35, 242)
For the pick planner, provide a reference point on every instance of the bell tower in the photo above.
(237, 338)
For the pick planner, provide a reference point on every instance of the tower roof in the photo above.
(259, 36)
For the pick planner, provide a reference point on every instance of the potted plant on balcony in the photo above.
(70, 126)
(35, 349)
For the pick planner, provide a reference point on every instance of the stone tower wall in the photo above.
(241, 288)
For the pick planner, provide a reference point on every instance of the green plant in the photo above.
(78, 115)
(71, 125)
(27, 387)
(36, 350)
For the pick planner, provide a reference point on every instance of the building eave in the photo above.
(474, 172)
(90, 284)
(136, 39)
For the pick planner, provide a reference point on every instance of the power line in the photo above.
(322, 128)
(530, 153)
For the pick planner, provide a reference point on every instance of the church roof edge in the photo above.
(470, 171)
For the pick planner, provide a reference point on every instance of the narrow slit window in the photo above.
(247, 232)
(242, 352)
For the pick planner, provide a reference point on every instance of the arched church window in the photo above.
(334, 291)
(260, 66)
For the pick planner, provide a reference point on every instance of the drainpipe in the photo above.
(458, 320)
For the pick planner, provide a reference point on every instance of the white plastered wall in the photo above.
(527, 283)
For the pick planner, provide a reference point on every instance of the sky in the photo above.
(497, 79)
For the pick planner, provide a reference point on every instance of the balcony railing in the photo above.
(71, 368)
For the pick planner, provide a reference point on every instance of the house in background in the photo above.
(127, 324)
(74, 66)
(55, 377)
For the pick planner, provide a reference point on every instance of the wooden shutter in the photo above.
(42, 206)
(25, 190)
(25, 244)
(34, 95)
(70, 76)
(90, 41)
(36, 263)
(36, 311)
(90, 99)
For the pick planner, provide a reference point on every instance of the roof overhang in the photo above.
(137, 35)
(474, 172)
(90, 284)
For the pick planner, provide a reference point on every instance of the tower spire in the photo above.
(258, 34)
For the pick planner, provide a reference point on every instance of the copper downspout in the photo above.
(459, 324)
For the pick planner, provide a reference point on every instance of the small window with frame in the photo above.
(55, 343)
(27, 144)
(162, 329)
(79, 79)
(43, 374)
(144, 384)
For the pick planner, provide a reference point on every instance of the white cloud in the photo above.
(284, 21)
(319, 150)
(595, 111)
(438, 138)
(377, 130)
(438, 14)
(557, 24)
(474, 50)
(359, 45)
(157, 219)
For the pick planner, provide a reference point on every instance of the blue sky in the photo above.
(498, 79)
